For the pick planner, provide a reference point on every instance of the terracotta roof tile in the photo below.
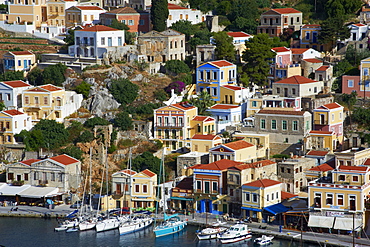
(281, 112)
(353, 168)
(235, 88)
(311, 25)
(125, 10)
(238, 34)
(206, 137)
(317, 153)
(98, 28)
(313, 60)
(331, 106)
(238, 145)
(184, 105)
(280, 49)
(219, 165)
(286, 11)
(149, 173)
(297, 79)
(16, 84)
(221, 63)
(367, 162)
(89, 8)
(262, 183)
(29, 162)
(203, 118)
(320, 132)
(20, 53)
(174, 6)
(257, 164)
(299, 50)
(224, 107)
(51, 88)
(14, 112)
(359, 24)
(323, 68)
(322, 168)
(287, 195)
(64, 159)
(128, 171)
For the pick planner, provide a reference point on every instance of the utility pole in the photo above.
(353, 230)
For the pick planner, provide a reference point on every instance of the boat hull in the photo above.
(84, 226)
(106, 225)
(207, 236)
(167, 230)
(137, 226)
(210, 233)
(235, 239)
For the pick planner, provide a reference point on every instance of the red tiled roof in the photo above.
(149, 173)
(323, 68)
(332, 105)
(51, 88)
(64, 159)
(238, 34)
(262, 183)
(359, 24)
(184, 105)
(311, 25)
(235, 88)
(29, 162)
(353, 168)
(296, 79)
(98, 28)
(281, 112)
(286, 11)
(128, 171)
(280, 49)
(89, 8)
(322, 168)
(255, 164)
(367, 162)
(312, 60)
(174, 6)
(298, 50)
(20, 53)
(317, 153)
(16, 83)
(14, 112)
(125, 10)
(221, 63)
(287, 195)
(203, 118)
(321, 132)
(225, 107)
(238, 145)
(206, 137)
(219, 165)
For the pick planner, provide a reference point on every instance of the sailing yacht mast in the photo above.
(130, 177)
(106, 176)
(90, 192)
(158, 190)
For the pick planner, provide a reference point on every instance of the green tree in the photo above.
(333, 29)
(185, 27)
(35, 76)
(177, 66)
(54, 74)
(73, 151)
(203, 102)
(91, 122)
(12, 76)
(159, 14)
(160, 95)
(342, 67)
(83, 88)
(341, 8)
(224, 46)
(146, 161)
(2, 105)
(74, 130)
(86, 136)
(54, 134)
(123, 121)
(257, 57)
(33, 140)
(223, 8)
(124, 91)
(129, 36)
(70, 37)
(244, 15)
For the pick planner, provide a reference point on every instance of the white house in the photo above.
(176, 13)
(11, 93)
(95, 41)
(297, 86)
(83, 15)
(12, 122)
(239, 37)
(18, 60)
(298, 54)
(226, 115)
(358, 32)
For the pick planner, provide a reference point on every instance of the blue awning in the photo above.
(276, 209)
(252, 209)
(181, 198)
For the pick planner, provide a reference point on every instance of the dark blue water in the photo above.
(19, 232)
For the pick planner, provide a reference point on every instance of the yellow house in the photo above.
(261, 141)
(18, 60)
(202, 143)
(202, 125)
(121, 182)
(231, 94)
(30, 11)
(258, 195)
(143, 192)
(50, 102)
(330, 117)
(339, 198)
(322, 140)
(56, 11)
(237, 151)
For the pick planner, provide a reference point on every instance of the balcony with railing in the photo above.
(167, 125)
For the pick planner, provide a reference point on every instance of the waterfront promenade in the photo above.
(200, 219)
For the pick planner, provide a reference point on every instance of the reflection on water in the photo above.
(40, 232)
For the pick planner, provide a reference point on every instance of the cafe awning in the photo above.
(320, 221)
(276, 209)
(38, 192)
(181, 198)
(342, 223)
(252, 209)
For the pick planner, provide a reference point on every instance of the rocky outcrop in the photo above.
(101, 102)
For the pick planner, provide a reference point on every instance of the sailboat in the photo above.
(133, 224)
(172, 223)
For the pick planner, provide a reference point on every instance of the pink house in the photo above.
(283, 65)
(352, 83)
(283, 56)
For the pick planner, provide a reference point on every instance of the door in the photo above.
(25, 64)
(285, 92)
(118, 204)
(208, 208)
(19, 177)
(109, 41)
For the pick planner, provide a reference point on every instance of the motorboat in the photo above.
(66, 225)
(236, 233)
(264, 240)
(72, 229)
(210, 232)
(171, 225)
(61, 228)
(134, 225)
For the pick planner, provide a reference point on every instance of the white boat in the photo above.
(66, 225)
(134, 225)
(107, 224)
(210, 233)
(171, 225)
(61, 228)
(87, 225)
(236, 233)
(264, 240)
(72, 230)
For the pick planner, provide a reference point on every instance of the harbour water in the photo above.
(19, 232)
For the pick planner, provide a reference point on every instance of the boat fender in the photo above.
(186, 219)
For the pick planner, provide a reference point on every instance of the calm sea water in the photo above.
(19, 232)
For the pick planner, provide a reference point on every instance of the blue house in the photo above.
(211, 76)
(226, 115)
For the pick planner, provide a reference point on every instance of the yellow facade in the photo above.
(202, 127)
(254, 105)
(203, 146)
(30, 11)
(261, 141)
(56, 10)
(144, 189)
(326, 141)
(6, 129)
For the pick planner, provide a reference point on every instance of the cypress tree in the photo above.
(159, 15)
